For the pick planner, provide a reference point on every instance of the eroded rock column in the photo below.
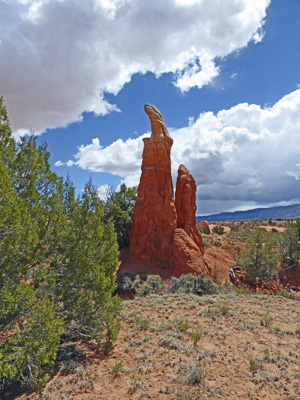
(187, 244)
(165, 237)
(185, 203)
(155, 217)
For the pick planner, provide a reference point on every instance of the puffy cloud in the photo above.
(103, 192)
(59, 57)
(58, 164)
(244, 154)
(70, 163)
(120, 158)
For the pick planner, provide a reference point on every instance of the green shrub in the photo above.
(35, 344)
(218, 229)
(188, 282)
(200, 285)
(152, 285)
(117, 369)
(128, 282)
(223, 308)
(181, 325)
(204, 285)
(196, 336)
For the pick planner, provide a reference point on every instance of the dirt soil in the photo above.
(182, 346)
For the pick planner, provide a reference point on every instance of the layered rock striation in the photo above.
(164, 232)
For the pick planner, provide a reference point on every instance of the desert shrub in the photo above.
(169, 340)
(192, 374)
(175, 285)
(206, 242)
(128, 282)
(288, 295)
(204, 285)
(117, 369)
(181, 325)
(202, 229)
(218, 229)
(196, 336)
(241, 234)
(234, 228)
(152, 285)
(189, 283)
(228, 288)
(223, 308)
(144, 290)
(154, 281)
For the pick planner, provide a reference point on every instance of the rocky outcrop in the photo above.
(187, 256)
(164, 233)
(205, 225)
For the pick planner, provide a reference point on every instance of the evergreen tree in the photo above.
(119, 207)
(290, 246)
(29, 327)
(260, 258)
(57, 262)
(85, 260)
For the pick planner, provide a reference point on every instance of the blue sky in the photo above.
(224, 74)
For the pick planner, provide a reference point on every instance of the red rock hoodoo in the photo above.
(154, 219)
(185, 203)
(164, 233)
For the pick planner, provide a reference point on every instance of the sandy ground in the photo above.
(180, 346)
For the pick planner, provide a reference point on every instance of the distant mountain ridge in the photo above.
(283, 212)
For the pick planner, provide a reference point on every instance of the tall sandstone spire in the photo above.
(164, 232)
(155, 219)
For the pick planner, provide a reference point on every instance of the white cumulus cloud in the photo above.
(58, 58)
(103, 192)
(244, 154)
(58, 163)
(120, 158)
